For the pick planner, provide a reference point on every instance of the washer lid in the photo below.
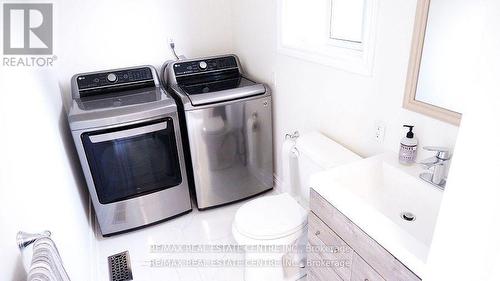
(270, 217)
(238, 92)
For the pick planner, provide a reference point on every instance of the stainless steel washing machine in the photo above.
(226, 121)
(127, 134)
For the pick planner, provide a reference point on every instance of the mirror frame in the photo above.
(409, 101)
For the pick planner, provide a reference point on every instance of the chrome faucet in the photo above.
(439, 165)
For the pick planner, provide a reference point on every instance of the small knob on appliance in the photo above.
(203, 65)
(112, 77)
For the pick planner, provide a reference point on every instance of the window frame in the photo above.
(342, 56)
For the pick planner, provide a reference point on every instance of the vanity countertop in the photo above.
(374, 192)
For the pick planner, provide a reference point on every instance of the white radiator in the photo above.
(41, 258)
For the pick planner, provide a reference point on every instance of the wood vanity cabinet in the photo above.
(341, 251)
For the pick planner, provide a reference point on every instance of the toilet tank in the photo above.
(314, 152)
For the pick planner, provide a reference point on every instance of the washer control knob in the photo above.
(112, 77)
(203, 65)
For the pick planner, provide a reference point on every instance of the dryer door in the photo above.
(134, 160)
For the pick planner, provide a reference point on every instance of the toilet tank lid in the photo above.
(326, 152)
(270, 217)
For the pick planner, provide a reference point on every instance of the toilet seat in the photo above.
(270, 217)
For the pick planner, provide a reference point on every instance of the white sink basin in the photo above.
(374, 192)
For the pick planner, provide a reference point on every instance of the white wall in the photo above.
(466, 243)
(41, 185)
(343, 105)
(40, 182)
(95, 35)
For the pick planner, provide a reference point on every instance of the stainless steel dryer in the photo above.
(126, 131)
(227, 128)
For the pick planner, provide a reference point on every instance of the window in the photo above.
(338, 33)
(347, 23)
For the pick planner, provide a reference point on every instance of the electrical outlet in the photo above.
(379, 132)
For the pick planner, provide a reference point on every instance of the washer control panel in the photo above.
(200, 66)
(119, 77)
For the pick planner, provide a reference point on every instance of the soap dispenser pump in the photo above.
(408, 149)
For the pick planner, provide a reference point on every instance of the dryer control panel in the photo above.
(115, 80)
(106, 79)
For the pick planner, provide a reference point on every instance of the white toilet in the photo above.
(274, 228)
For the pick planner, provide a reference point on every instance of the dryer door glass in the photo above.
(130, 161)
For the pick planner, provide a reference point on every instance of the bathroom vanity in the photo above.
(355, 255)
(357, 228)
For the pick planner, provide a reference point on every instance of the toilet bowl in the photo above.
(273, 229)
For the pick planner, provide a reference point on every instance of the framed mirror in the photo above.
(438, 42)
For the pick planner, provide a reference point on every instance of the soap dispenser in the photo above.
(408, 149)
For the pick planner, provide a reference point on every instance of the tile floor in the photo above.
(210, 227)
